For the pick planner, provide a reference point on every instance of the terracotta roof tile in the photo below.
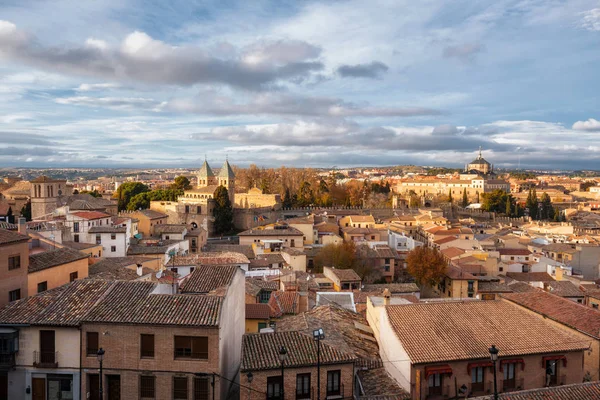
(514, 252)
(394, 288)
(235, 248)
(212, 258)
(263, 284)
(346, 274)
(91, 214)
(52, 258)
(564, 289)
(282, 303)
(9, 237)
(272, 232)
(576, 391)
(169, 228)
(567, 312)
(261, 351)
(530, 276)
(207, 278)
(258, 311)
(447, 331)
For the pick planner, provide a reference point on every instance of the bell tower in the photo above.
(45, 193)
(227, 178)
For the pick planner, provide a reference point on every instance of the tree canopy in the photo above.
(426, 265)
(142, 200)
(223, 211)
(126, 191)
(181, 183)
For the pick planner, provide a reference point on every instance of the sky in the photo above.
(132, 83)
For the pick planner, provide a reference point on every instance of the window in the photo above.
(477, 379)
(147, 387)
(146, 346)
(333, 383)
(180, 387)
(509, 376)
(113, 236)
(42, 286)
(187, 209)
(293, 242)
(551, 372)
(595, 306)
(167, 237)
(175, 269)
(91, 348)
(274, 388)
(195, 347)
(98, 239)
(75, 227)
(198, 210)
(73, 276)
(303, 386)
(16, 295)
(512, 258)
(14, 262)
(262, 325)
(200, 388)
(264, 296)
(113, 249)
(470, 286)
(76, 238)
(386, 268)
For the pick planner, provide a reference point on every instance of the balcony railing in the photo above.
(7, 361)
(438, 392)
(45, 359)
(511, 385)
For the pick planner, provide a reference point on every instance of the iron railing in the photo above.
(45, 359)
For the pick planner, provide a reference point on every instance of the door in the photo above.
(435, 384)
(47, 349)
(38, 389)
(93, 387)
(114, 387)
(3, 386)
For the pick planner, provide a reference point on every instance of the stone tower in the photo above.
(227, 178)
(206, 176)
(45, 194)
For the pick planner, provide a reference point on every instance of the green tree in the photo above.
(465, 198)
(426, 265)
(287, 199)
(495, 201)
(532, 204)
(546, 208)
(450, 196)
(93, 193)
(181, 183)
(305, 195)
(26, 211)
(126, 191)
(508, 210)
(223, 211)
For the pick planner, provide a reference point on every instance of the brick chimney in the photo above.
(22, 223)
(386, 297)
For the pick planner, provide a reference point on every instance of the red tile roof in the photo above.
(514, 252)
(576, 391)
(284, 303)
(207, 278)
(567, 312)
(9, 237)
(91, 214)
(530, 276)
(260, 351)
(53, 258)
(258, 311)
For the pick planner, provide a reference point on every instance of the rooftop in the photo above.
(258, 311)
(576, 391)
(272, 232)
(261, 351)
(452, 331)
(151, 214)
(9, 237)
(90, 214)
(169, 228)
(567, 312)
(394, 288)
(530, 276)
(347, 274)
(207, 278)
(107, 229)
(211, 258)
(564, 289)
(52, 258)
(514, 252)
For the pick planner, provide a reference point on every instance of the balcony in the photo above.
(45, 359)
(511, 385)
(438, 392)
(9, 346)
(481, 388)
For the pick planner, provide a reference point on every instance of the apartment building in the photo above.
(14, 264)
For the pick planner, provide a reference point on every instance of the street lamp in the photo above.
(100, 356)
(494, 357)
(282, 357)
(318, 335)
(250, 378)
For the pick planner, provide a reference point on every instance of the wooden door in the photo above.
(94, 387)
(47, 349)
(38, 389)
(114, 387)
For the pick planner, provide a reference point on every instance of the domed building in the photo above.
(479, 166)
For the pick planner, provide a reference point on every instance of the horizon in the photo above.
(312, 84)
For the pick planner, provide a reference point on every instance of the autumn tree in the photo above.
(341, 256)
(450, 196)
(223, 211)
(426, 265)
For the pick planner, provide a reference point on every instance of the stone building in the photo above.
(479, 166)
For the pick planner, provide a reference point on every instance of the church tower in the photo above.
(227, 178)
(206, 176)
(45, 193)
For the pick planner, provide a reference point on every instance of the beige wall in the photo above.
(297, 262)
(16, 278)
(57, 276)
(66, 342)
(259, 381)
(258, 238)
(252, 324)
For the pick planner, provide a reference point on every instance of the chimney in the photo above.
(22, 226)
(386, 297)
(139, 269)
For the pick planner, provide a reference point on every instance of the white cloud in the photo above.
(89, 87)
(591, 20)
(589, 125)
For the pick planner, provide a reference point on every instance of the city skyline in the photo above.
(311, 84)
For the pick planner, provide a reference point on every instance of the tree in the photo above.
(426, 265)
(495, 201)
(181, 183)
(305, 195)
(508, 211)
(287, 199)
(532, 204)
(26, 211)
(93, 193)
(9, 216)
(126, 191)
(223, 211)
(450, 196)
(546, 209)
(341, 256)
(465, 198)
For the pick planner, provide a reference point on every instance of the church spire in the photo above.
(480, 156)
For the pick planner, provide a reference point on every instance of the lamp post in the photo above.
(282, 357)
(250, 378)
(100, 356)
(318, 334)
(494, 357)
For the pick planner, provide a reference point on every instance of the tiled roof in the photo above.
(107, 229)
(235, 248)
(151, 214)
(560, 248)
(79, 245)
(261, 351)
(521, 287)
(169, 228)
(282, 303)
(90, 214)
(116, 268)
(272, 232)
(530, 276)
(212, 258)
(133, 303)
(452, 252)
(52, 258)
(447, 331)
(28, 310)
(567, 312)
(207, 278)
(362, 218)
(258, 311)
(379, 385)
(347, 274)
(272, 258)
(493, 287)
(384, 251)
(576, 391)
(393, 287)
(9, 237)
(252, 289)
(564, 289)
(263, 284)
(514, 252)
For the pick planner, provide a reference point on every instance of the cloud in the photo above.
(591, 20)
(463, 52)
(116, 103)
(144, 59)
(589, 125)
(373, 70)
(90, 87)
(31, 139)
(29, 151)
(444, 130)
(289, 104)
